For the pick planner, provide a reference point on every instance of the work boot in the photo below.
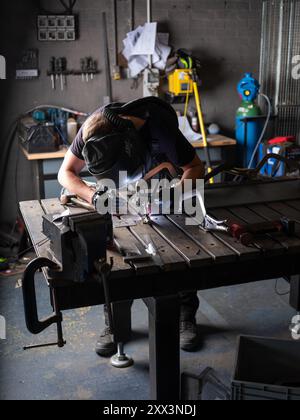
(105, 347)
(189, 338)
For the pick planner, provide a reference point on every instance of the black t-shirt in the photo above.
(163, 137)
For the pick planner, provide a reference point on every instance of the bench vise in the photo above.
(77, 254)
(76, 242)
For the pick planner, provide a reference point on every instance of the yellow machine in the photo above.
(181, 82)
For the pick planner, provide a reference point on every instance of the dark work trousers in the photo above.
(189, 306)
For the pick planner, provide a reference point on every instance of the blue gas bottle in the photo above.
(248, 133)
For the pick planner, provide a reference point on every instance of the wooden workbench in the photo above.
(42, 174)
(192, 260)
(222, 150)
(59, 154)
(217, 140)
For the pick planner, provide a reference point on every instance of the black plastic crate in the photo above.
(266, 369)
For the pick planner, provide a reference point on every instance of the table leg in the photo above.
(164, 354)
(122, 320)
(39, 179)
(295, 292)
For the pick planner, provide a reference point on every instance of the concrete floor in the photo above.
(76, 372)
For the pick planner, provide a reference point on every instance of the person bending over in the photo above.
(137, 137)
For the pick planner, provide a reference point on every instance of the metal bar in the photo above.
(149, 11)
(115, 31)
(106, 57)
(131, 13)
(263, 45)
(279, 59)
(149, 20)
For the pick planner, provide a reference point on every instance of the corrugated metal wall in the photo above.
(280, 46)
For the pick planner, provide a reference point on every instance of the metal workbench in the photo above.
(193, 260)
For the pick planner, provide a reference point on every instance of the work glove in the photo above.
(102, 201)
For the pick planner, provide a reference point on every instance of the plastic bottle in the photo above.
(195, 124)
(62, 125)
(72, 128)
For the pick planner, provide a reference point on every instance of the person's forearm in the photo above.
(75, 185)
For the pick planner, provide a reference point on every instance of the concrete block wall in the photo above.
(225, 35)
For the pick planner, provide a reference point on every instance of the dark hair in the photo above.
(96, 125)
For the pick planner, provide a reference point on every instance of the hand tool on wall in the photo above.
(82, 67)
(92, 67)
(60, 70)
(64, 71)
(28, 66)
(88, 68)
(52, 72)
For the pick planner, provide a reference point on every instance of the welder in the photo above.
(133, 137)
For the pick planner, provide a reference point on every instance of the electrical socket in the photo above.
(57, 28)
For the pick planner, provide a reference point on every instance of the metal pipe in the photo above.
(149, 11)
(115, 23)
(149, 20)
(106, 58)
(131, 13)
(279, 57)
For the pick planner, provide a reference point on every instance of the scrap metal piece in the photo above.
(132, 253)
(153, 250)
(121, 223)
